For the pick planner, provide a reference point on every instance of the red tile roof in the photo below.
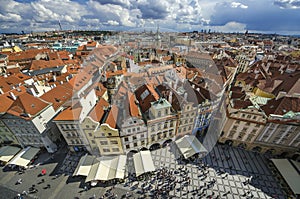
(98, 111)
(241, 104)
(133, 108)
(7, 83)
(112, 117)
(41, 64)
(153, 96)
(64, 55)
(26, 55)
(69, 114)
(6, 102)
(282, 106)
(81, 79)
(27, 104)
(115, 73)
(58, 96)
(91, 44)
(100, 90)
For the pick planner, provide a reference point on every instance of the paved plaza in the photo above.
(230, 167)
(226, 172)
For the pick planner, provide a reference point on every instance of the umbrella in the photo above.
(44, 171)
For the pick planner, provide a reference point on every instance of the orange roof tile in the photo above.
(112, 117)
(53, 55)
(27, 104)
(58, 96)
(41, 64)
(81, 48)
(98, 111)
(152, 91)
(64, 55)
(282, 106)
(134, 110)
(7, 83)
(26, 55)
(6, 102)
(80, 80)
(116, 73)
(13, 70)
(100, 90)
(91, 44)
(69, 114)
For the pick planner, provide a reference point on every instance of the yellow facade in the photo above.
(13, 49)
(261, 93)
(88, 126)
(108, 140)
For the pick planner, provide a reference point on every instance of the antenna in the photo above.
(59, 25)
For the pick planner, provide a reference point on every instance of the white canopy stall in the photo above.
(8, 152)
(290, 171)
(189, 145)
(84, 166)
(143, 162)
(108, 169)
(24, 157)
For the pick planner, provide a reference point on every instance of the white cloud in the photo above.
(10, 17)
(238, 5)
(57, 10)
(172, 14)
(230, 27)
(288, 4)
(112, 23)
(90, 21)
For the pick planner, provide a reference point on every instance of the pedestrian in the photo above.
(48, 186)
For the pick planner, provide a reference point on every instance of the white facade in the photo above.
(33, 132)
(133, 133)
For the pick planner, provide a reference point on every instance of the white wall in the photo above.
(41, 121)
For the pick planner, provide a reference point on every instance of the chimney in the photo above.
(12, 95)
(185, 95)
(280, 95)
(32, 92)
(176, 83)
(170, 97)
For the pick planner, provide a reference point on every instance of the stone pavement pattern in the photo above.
(239, 165)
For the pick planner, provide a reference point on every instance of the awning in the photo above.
(24, 157)
(108, 169)
(143, 162)
(84, 166)
(289, 170)
(189, 145)
(8, 152)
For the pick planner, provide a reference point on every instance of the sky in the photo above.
(266, 16)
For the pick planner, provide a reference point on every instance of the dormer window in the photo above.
(159, 114)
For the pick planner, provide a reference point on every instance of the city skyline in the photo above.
(271, 16)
